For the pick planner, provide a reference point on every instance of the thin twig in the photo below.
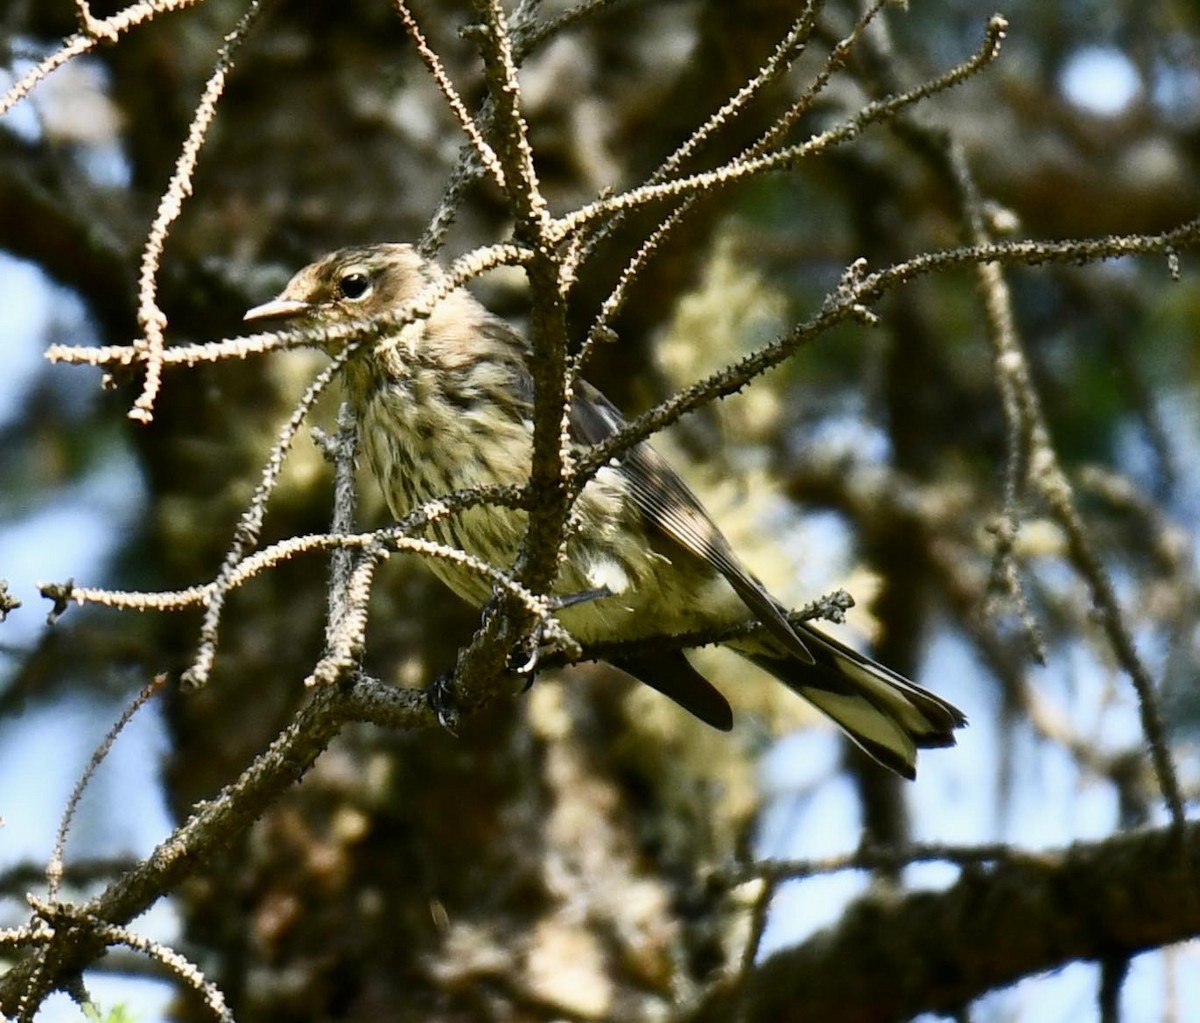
(788, 49)
(857, 292)
(97, 32)
(526, 201)
(342, 450)
(65, 917)
(872, 858)
(551, 456)
(527, 36)
(1047, 476)
(485, 154)
(151, 318)
(54, 869)
(879, 111)
(246, 533)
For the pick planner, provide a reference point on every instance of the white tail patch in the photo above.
(871, 728)
(884, 692)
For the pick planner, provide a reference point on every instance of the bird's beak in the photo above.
(277, 309)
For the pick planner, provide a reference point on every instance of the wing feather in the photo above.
(670, 507)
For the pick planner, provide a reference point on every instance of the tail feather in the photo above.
(885, 714)
(673, 676)
(876, 733)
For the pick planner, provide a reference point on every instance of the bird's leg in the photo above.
(525, 655)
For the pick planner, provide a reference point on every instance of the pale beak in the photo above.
(277, 309)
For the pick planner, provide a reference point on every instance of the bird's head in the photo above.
(456, 336)
(350, 284)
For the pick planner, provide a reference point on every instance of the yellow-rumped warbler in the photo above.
(445, 404)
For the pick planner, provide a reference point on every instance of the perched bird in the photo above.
(446, 403)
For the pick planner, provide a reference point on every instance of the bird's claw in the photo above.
(525, 656)
(440, 697)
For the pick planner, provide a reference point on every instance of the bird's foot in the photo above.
(526, 655)
(440, 697)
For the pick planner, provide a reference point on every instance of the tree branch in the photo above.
(891, 958)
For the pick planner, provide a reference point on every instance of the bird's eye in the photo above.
(354, 285)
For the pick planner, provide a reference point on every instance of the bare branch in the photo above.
(486, 155)
(151, 318)
(1047, 476)
(54, 869)
(849, 302)
(876, 112)
(1022, 915)
(96, 32)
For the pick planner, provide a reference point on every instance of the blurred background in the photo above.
(551, 862)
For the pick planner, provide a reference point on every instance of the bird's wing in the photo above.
(669, 506)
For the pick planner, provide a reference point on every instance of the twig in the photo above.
(873, 113)
(1047, 476)
(484, 153)
(873, 858)
(95, 33)
(151, 318)
(849, 301)
(788, 49)
(54, 869)
(551, 456)
(342, 451)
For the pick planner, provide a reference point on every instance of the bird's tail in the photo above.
(885, 714)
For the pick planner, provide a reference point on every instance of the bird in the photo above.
(445, 403)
